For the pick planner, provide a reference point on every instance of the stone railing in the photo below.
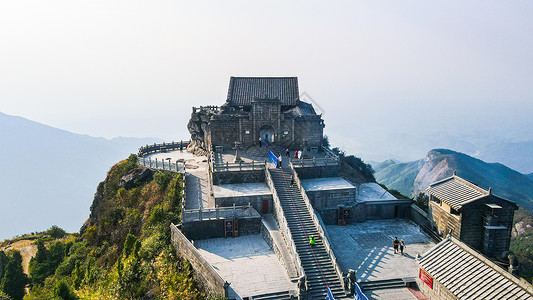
(316, 162)
(329, 153)
(203, 271)
(210, 108)
(163, 147)
(161, 164)
(241, 212)
(283, 226)
(319, 225)
(228, 167)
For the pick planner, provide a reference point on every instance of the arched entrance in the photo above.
(266, 133)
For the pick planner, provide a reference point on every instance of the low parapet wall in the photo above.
(307, 172)
(236, 176)
(204, 273)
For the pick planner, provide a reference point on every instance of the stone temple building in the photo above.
(471, 214)
(258, 107)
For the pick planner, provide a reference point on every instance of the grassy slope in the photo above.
(100, 266)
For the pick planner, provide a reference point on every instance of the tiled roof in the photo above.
(242, 90)
(302, 109)
(456, 191)
(469, 275)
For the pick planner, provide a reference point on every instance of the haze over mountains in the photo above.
(49, 176)
(413, 177)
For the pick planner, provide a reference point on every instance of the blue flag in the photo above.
(358, 295)
(273, 159)
(329, 295)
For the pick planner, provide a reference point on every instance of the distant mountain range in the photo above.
(530, 176)
(413, 177)
(49, 176)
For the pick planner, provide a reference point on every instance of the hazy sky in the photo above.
(378, 69)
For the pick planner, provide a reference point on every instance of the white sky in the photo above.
(135, 68)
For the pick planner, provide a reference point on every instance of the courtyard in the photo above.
(367, 248)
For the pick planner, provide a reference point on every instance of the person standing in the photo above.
(292, 180)
(300, 154)
(395, 245)
(288, 153)
(296, 154)
(280, 158)
(259, 142)
(402, 245)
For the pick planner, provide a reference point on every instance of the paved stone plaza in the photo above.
(395, 294)
(367, 248)
(248, 263)
(373, 192)
(241, 189)
(328, 183)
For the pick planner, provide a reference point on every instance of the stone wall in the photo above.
(420, 217)
(361, 212)
(205, 275)
(331, 198)
(473, 231)
(238, 177)
(255, 200)
(317, 172)
(380, 211)
(308, 130)
(214, 228)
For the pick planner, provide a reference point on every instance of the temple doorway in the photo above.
(267, 134)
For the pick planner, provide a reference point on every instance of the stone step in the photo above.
(272, 296)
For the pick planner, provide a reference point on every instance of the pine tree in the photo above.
(14, 280)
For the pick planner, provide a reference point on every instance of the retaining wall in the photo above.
(214, 228)
(203, 272)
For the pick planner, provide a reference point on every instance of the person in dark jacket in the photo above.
(395, 245)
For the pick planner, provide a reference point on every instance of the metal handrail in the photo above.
(161, 164)
(319, 224)
(163, 146)
(280, 216)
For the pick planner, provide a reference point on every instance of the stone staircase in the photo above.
(382, 284)
(316, 262)
(273, 296)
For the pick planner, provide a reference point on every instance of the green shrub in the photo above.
(64, 291)
(56, 232)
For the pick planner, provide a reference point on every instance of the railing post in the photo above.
(217, 212)
(200, 214)
(240, 165)
(249, 210)
(233, 210)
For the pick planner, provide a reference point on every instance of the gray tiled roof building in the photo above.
(258, 107)
(453, 270)
(471, 214)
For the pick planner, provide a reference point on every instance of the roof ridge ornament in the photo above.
(490, 190)
(455, 172)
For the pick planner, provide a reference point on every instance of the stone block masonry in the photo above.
(214, 228)
(204, 273)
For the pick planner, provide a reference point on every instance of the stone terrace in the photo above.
(367, 248)
(248, 263)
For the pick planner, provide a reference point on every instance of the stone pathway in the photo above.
(367, 248)
(247, 263)
(272, 226)
(396, 294)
